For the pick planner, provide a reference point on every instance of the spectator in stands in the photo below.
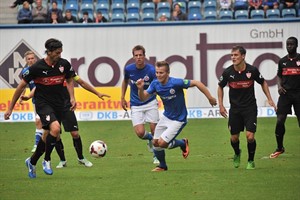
(39, 13)
(240, 5)
(69, 18)
(54, 19)
(20, 2)
(85, 18)
(177, 14)
(100, 18)
(270, 4)
(163, 18)
(56, 10)
(288, 4)
(255, 5)
(225, 4)
(24, 14)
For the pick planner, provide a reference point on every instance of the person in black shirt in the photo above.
(49, 75)
(240, 78)
(289, 91)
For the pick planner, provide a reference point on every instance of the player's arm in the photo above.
(281, 89)
(143, 94)
(123, 93)
(70, 87)
(266, 90)
(16, 96)
(88, 87)
(223, 110)
(26, 98)
(204, 90)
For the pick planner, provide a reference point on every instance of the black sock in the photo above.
(40, 150)
(59, 147)
(279, 140)
(78, 147)
(50, 143)
(236, 147)
(251, 150)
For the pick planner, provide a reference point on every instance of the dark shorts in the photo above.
(286, 101)
(241, 118)
(48, 115)
(69, 121)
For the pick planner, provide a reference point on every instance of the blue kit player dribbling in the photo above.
(174, 117)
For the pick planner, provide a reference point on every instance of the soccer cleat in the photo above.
(155, 160)
(186, 151)
(250, 165)
(85, 162)
(150, 146)
(237, 160)
(277, 152)
(31, 168)
(61, 164)
(33, 149)
(47, 167)
(159, 169)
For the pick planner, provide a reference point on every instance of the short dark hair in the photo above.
(52, 44)
(137, 48)
(241, 49)
(295, 39)
(85, 13)
(163, 64)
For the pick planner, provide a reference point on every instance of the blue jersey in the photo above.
(172, 96)
(132, 73)
(31, 83)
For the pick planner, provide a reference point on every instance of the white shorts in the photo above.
(168, 129)
(145, 113)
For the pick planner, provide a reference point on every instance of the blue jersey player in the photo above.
(174, 117)
(30, 59)
(141, 111)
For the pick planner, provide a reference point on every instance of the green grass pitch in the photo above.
(125, 171)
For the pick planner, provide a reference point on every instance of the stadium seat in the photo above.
(167, 14)
(133, 1)
(182, 5)
(117, 17)
(118, 8)
(240, 5)
(163, 7)
(133, 17)
(148, 7)
(257, 14)
(210, 5)
(87, 7)
(117, 1)
(103, 1)
(133, 7)
(273, 13)
(194, 7)
(148, 17)
(210, 15)
(225, 14)
(103, 8)
(72, 6)
(241, 14)
(87, 1)
(288, 13)
(194, 16)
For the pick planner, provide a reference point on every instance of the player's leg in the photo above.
(59, 147)
(235, 126)
(158, 151)
(250, 121)
(38, 132)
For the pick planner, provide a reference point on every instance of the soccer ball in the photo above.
(98, 149)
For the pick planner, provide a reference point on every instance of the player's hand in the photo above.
(271, 103)
(140, 83)
(281, 90)
(73, 105)
(24, 98)
(7, 114)
(223, 111)
(101, 96)
(124, 104)
(213, 101)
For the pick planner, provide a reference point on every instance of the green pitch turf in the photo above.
(125, 171)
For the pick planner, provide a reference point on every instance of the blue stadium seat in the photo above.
(288, 13)
(272, 13)
(117, 1)
(148, 7)
(194, 7)
(133, 1)
(257, 14)
(103, 1)
(210, 5)
(118, 8)
(133, 17)
(225, 14)
(117, 17)
(87, 7)
(210, 15)
(163, 7)
(73, 7)
(240, 5)
(148, 17)
(103, 8)
(133, 7)
(194, 16)
(241, 14)
(167, 14)
(87, 1)
(182, 5)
